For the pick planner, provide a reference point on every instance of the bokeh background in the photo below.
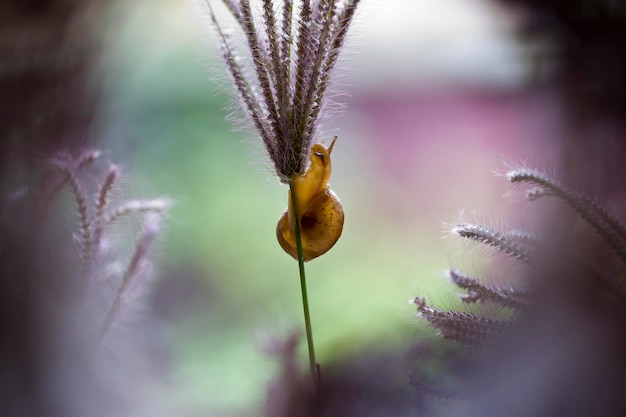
(439, 95)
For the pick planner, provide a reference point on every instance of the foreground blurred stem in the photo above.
(315, 375)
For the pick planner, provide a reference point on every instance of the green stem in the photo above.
(315, 375)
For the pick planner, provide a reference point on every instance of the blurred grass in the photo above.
(164, 120)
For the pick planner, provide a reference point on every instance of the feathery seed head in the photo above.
(294, 47)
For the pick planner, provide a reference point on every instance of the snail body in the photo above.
(319, 210)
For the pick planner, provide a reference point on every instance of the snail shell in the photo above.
(319, 209)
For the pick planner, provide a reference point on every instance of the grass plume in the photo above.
(293, 47)
(98, 209)
(581, 286)
(606, 225)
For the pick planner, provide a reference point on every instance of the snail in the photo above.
(318, 207)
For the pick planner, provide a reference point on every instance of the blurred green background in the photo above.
(437, 96)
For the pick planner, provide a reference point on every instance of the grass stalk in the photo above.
(315, 374)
